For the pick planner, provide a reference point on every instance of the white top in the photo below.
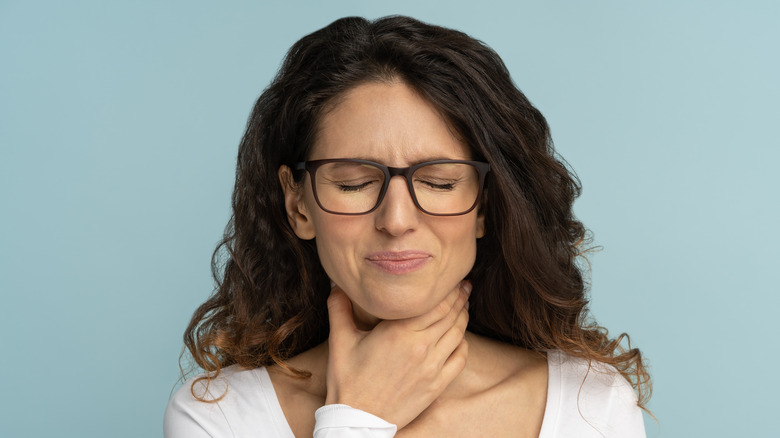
(582, 401)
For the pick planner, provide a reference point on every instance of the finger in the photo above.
(454, 364)
(340, 315)
(440, 327)
(450, 340)
(441, 310)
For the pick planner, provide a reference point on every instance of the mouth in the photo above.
(399, 262)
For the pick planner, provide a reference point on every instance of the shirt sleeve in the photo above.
(589, 400)
(186, 417)
(342, 421)
(625, 416)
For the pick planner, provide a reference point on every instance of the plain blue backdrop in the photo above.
(119, 125)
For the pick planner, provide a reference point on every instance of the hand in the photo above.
(396, 370)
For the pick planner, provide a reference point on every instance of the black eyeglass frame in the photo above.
(407, 172)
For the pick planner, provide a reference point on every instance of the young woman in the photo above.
(402, 258)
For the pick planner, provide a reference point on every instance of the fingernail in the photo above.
(332, 284)
(467, 287)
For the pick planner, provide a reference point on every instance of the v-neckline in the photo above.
(551, 408)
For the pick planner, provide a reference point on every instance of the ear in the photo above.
(481, 215)
(480, 224)
(297, 213)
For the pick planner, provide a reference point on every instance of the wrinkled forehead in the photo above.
(386, 122)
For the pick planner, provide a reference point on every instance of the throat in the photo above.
(363, 320)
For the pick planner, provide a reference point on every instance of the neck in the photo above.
(476, 369)
(363, 320)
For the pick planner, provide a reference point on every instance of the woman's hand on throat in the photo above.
(396, 370)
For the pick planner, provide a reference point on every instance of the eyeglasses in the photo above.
(354, 187)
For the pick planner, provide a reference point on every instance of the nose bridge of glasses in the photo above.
(406, 176)
(405, 173)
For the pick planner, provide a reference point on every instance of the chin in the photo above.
(398, 308)
(395, 298)
(396, 314)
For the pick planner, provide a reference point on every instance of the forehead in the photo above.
(388, 123)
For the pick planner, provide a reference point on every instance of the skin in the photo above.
(404, 130)
(398, 346)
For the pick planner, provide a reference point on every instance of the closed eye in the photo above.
(436, 185)
(353, 188)
(346, 187)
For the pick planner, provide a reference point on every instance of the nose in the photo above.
(397, 214)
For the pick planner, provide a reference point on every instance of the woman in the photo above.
(402, 258)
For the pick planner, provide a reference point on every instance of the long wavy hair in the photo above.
(529, 290)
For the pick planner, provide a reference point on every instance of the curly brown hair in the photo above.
(270, 300)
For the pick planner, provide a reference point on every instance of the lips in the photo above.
(399, 262)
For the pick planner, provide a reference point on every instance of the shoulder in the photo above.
(221, 406)
(589, 398)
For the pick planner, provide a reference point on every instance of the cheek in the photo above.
(336, 240)
(460, 253)
(464, 256)
(331, 255)
(461, 240)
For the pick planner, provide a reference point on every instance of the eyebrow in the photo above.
(413, 163)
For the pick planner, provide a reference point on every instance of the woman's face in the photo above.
(395, 262)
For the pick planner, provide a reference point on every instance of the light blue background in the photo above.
(119, 124)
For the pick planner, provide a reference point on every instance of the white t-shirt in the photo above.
(582, 402)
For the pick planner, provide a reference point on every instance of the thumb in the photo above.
(340, 314)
